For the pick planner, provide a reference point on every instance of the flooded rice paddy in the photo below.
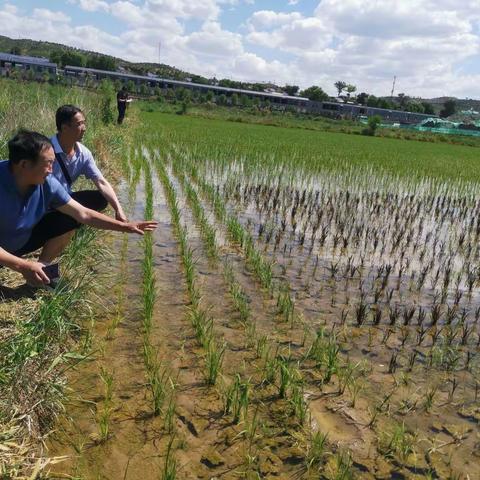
(283, 323)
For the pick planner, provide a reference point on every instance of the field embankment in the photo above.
(43, 335)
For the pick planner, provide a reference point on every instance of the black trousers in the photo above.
(56, 223)
(121, 112)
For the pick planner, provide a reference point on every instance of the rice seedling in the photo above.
(342, 465)
(361, 312)
(237, 398)
(261, 347)
(170, 413)
(316, 450)
(170, 463)
(297, 400)
(429, 398)
(393, 364)
(270, 367)
(213, 361)
(238, 295)
(285, 306)
(398, 442)
(285, 376)
(328, 240)
(107, 407)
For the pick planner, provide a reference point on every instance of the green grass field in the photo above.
(315, 150)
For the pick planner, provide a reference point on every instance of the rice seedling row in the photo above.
(289, 379)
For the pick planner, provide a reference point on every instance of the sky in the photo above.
(431, 46)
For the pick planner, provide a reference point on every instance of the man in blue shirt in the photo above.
(74, 160)
(27, 193)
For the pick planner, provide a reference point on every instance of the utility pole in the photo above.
(393, 86)
(159, 51)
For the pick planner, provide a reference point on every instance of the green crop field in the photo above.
(309, 307)
(316, 150)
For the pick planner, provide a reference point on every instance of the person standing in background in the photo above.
(122, 101)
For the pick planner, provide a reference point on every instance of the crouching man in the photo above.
(37, 212)
(74, 160)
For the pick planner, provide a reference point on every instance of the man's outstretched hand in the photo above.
(141, 227)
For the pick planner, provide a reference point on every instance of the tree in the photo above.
(315, 93)
(403, 99)
(17, 50)
(30, 74)
(159, 94)
(56, 56)
(234, 100)
(373, 123)
(244, 100)
(449, 108)
(144, 90)
(131, 87)
(428, 108)
(372, 101)
(194, 96)
(222, 99)
(362, 98)
(72, 58)
(340, 86)
(384, 103)
(182, 94)
(291, 89)
(107, 90)
(415, 107)
(101, 62)
(350, 89)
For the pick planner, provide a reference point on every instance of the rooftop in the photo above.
(9, 57)
(183, 83)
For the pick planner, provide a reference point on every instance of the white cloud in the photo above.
(206, 9)
(212, 40)
(55, 26)
(249, 66)
(365, 42)
(93, 5)
(43, 14)
(9, 8)
(380, 19)
(269, 18)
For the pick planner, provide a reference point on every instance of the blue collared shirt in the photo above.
(19, 214)
(81, 163)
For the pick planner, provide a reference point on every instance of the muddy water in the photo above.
(121, 356)
(348, 426)
(207, 445)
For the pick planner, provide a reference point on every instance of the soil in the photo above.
(270, 442)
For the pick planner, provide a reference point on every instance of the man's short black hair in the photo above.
(27, 145)
(65, 114)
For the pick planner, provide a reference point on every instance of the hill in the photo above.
(63, 55)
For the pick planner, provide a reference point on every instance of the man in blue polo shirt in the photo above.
(28, 193)
(74, 160)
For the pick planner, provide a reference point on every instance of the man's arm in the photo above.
(31, 270)
(104, 222)
(109, 193)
